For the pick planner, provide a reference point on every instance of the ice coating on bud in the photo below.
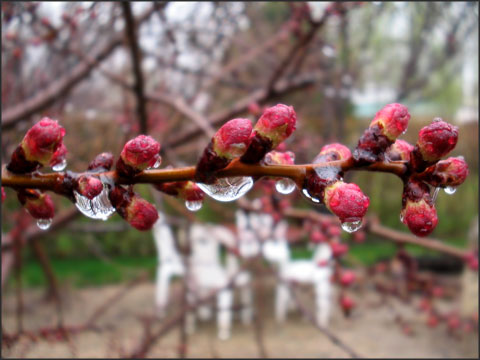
(333, 152)
(88, 186)
(39, 205)
(103, 161)
(137, 155)
(138, 212)
(347, 278)
(420, 217)
(449, 172)
(232, 139)
(436, 140)
(59, 155)
(279, 158)
(392, 119)
(186, 190)
(42, 140)
(347, 201)
(277, 123)
(400, 150)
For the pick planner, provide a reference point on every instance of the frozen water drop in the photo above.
(351, 226)
(60, 166)
(97, 208)
(310, 197)
(435, 194)
(450, 190)
(228, 189)
(285, 186)
(157, 163)
(401, 217)
(44, 224)
(194, 205)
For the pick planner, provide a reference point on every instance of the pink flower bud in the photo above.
(88, 186)
(338, 249)
(186, 190)
(347, 201)
(420, 217)
(392, 120)
(232, 139)
(400, 150)
(317, 237)
(137, 155)
(42, 140)
(333, 152)
(279, 158)
(359, 237)
(59, 155)
(334, 230)
(103, 161)
(449, 172)
(138, 212)
(347, 278)
(432, 321)
(436, 140)
(347, 304)
(3, 194)
(472, 261)
(277, 123)
(39, 205)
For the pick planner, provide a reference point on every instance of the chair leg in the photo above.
(224, 313)
(162, 290)
(323, 301)
(247, 304)
(281, 302)
(190, 316)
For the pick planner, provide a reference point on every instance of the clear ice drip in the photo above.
(351, 226)
(285, 186)
(44, 224)
(60, 166)
(228, 189)
(97, 208)
(194, 205)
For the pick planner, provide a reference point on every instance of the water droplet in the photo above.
(194, 205)
(450, 190)
(435, 194)
(44, 224)
(310, 197)
(157, 163)
(401, 217)
(228, 189)
(285, 186)
(97, 208)
(60, 166)
(351, 226)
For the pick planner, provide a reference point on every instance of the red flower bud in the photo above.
(359, 237)
(103, 161)
(400, 150)
(449, 172)
(347, 201)
(137, 155)
(472, 261)
(338, 249)
(279, 158)
(42, 140)
(392, 120)
(420, 217)
(232, 139)
(317, 237)
(432, 321)
(347, 304)
(347, 278)
(334, 230)
(277, 123)
(39, 205)
(186, 190)
(138, 212)
(3, 194)
(453, 322)
(88, 186)
(436, 140)
(333, 152)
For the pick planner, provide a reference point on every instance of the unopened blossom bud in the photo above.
(138, 212)
(39, 205)
(3, 194)
(449, 172)
(318, 237)
(228, 143)
(432, 320)
(88, 186)
(472, 261)
(453, 322)
(359, 237)
(275, 125)
(347, 201)
(418, 211)
(400, 150)
(103, 161)
(59, 155)
(37, 147)
(387, 125)
(279, 158)
(434, 142)
(137, 155)
(186, 190)
(347, 304)
(334, 230)
(338, 249)
(333, 152)
(347, 278)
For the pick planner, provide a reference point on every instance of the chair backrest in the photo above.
(164, 241)
(262, 224)
(276, 249)
(323, 254)
(248, 242)
(205, 246)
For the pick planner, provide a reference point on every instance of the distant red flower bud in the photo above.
(347, 278)
(138, 212)
(39, 205)
(359, 237)
(3, 194)
(472, 261)
(338, 249)
(88, 186)
(334, 230)
(254, 108)
(432, 321)
(347, 304)
(275, 125)
(453, 322)
(437, 291)
(102, 161)
(400, 150)
(333, 152)
(420, 217)
(137, 155)
(425, 304)
(449, 172)
(434, 142)
(392, 120)
(347, 201)
(317, 237)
